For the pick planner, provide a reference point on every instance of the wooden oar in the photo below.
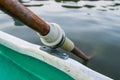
(16, 9)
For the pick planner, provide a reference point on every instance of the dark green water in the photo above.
(14, 66)
(93, 26)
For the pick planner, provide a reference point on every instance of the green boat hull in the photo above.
(16, 66)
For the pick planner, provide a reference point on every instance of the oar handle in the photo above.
(16, 9)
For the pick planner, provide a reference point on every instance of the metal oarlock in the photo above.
(55, 52)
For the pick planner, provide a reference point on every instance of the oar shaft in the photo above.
(16, 9)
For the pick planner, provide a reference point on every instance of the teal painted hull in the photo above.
(15, 66)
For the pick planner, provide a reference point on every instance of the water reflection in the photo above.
(66, 0)
(89, 6)
(17, 22)
(24, 1)
(99, 5)
(114, 5)
(71, 6)
(77, 6)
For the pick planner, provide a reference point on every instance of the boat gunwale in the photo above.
(71, 67)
